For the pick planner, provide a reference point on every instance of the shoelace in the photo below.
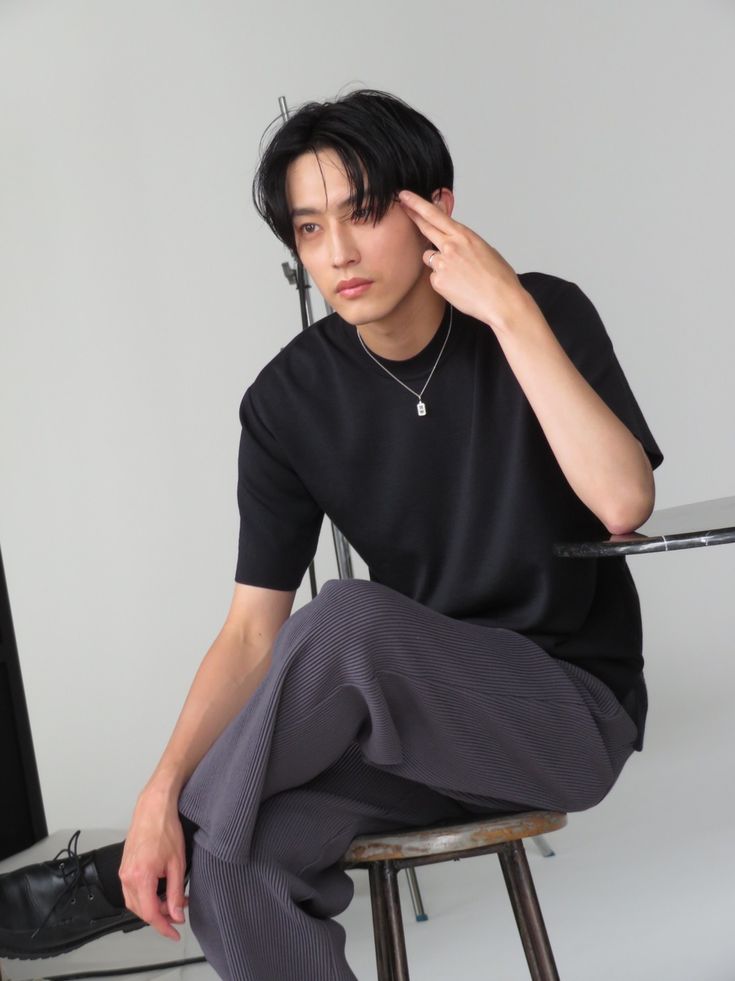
(71, 870)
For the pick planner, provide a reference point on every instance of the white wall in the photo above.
(141, 294)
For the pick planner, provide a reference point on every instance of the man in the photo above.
(455, 420)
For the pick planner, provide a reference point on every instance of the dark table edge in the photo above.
(644, 544)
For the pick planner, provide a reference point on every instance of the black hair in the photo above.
(384, 145)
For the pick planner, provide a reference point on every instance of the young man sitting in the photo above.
(455, 420)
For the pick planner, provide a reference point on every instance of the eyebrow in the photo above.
(301, 212)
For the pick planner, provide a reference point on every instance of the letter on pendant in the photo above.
(421, 409)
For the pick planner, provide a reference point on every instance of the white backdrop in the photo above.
(141, 294)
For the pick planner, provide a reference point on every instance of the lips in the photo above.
(349, 288)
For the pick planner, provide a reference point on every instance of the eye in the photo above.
(307, 228)
(360, 214)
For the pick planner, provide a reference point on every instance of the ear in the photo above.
(443, 198)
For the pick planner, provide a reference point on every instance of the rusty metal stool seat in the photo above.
(384, 854)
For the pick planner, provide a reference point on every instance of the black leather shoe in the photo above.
(53, 907)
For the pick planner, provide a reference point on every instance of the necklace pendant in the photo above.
(421, 409)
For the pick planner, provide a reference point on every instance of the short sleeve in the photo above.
(579, 328)
(279, 520)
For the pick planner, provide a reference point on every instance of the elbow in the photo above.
(632, 503)
(625, 527)
(628, 515)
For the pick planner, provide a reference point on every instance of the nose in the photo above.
(343, 246)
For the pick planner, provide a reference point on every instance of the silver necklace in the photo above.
(420, 405)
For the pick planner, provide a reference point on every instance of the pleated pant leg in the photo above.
(376, 714)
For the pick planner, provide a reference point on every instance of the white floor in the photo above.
(641, 887)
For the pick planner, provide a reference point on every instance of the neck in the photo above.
(409, 327)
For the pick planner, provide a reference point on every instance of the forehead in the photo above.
(317, 181)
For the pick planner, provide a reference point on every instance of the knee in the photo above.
(341, 629)
(348, 592)
(359, 601)
(338, 605)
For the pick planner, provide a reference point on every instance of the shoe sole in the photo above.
(31, 955)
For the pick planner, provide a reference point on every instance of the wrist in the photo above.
(163, 787)
(519, 314)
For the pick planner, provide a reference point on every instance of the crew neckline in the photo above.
(418, 364)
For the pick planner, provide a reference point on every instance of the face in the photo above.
(368, 273)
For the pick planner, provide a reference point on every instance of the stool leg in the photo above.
(527, 912)
(413, 885)
(381, 934)
(395, 922)
(543, 846)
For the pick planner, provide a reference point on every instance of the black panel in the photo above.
(22, 819)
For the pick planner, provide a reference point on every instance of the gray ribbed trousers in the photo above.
(377, 713)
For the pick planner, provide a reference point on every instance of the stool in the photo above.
(384, 854)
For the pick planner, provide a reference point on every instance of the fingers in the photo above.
(175, 891)
(142, 899)
(434, 223)
(430, 258)
(140, 891)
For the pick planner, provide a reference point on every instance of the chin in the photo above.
(346, 315)
(357, 314)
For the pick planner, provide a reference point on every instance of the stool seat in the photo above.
(384, 854)
(443, 838)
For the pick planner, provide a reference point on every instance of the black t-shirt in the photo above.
(458, 509)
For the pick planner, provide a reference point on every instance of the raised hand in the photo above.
(467, 271)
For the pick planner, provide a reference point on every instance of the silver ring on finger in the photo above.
(431, 258)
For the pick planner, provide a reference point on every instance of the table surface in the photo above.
(688, 526)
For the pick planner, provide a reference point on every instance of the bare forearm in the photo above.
(227, 677)
(232, 669)
(604, 463)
